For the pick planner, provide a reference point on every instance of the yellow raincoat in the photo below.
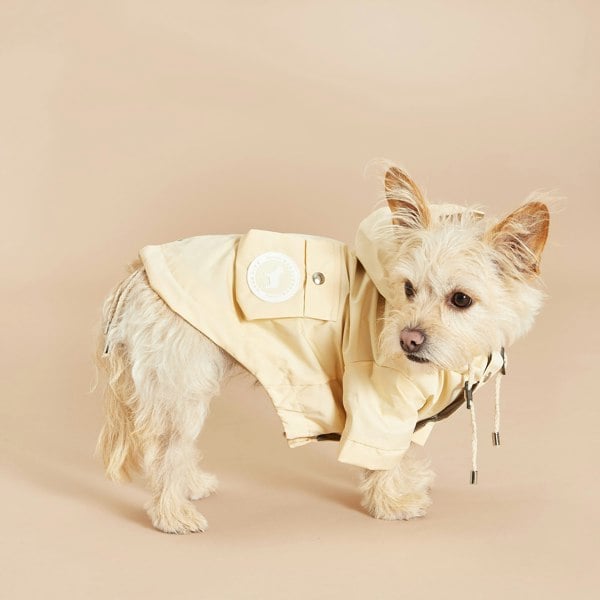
(303, 314)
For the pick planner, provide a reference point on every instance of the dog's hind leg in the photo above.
(186, 374)
(172, 373)
(171, 464)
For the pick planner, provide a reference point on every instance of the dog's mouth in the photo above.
(415, 358)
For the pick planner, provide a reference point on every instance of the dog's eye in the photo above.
(461, 300)
(409, 290)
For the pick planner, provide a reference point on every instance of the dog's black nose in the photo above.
(412, 340)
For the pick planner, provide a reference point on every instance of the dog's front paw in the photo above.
(394, 508)
(176, 517)
(201, 485)
(399, 493)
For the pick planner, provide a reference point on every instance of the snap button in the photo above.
(318, 278)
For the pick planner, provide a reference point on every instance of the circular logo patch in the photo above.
(273, 277)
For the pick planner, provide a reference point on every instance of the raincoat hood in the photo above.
(372, 244)
(374, 256)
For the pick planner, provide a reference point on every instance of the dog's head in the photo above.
(463, 286)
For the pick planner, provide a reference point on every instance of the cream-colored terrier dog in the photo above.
(368, 347)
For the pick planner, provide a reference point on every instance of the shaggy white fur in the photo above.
(163, 373)
(400, 493)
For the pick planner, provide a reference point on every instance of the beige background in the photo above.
(124, 123)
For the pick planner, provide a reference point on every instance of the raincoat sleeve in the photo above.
(381, 413)
(381, 403)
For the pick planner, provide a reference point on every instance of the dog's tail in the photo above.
(118, 444)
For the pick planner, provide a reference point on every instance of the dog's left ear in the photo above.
(405, 199)
(522, 235)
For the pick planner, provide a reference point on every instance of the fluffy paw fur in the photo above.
(396, 507)
(201, 485)
(400, 493)
(177, 518)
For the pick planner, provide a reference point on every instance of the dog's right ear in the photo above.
(406, 201)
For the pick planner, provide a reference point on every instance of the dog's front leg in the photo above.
(398, 493)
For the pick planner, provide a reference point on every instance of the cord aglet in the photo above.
(473, 477)
(468, 394)
(496, 438)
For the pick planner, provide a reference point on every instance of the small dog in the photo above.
(369, 347)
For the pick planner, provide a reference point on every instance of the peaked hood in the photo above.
(371, 252)
(374, 244)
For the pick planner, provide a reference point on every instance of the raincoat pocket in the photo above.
(279, 275)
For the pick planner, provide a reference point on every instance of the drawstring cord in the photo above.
(116, 303)
(473, 445)
(501, 373)
(471, 407)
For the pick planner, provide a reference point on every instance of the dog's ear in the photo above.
(405, 199)
(521, 237)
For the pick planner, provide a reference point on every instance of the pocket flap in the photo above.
(279, 275)
(269, 275)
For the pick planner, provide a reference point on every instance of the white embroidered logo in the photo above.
(274, 277)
